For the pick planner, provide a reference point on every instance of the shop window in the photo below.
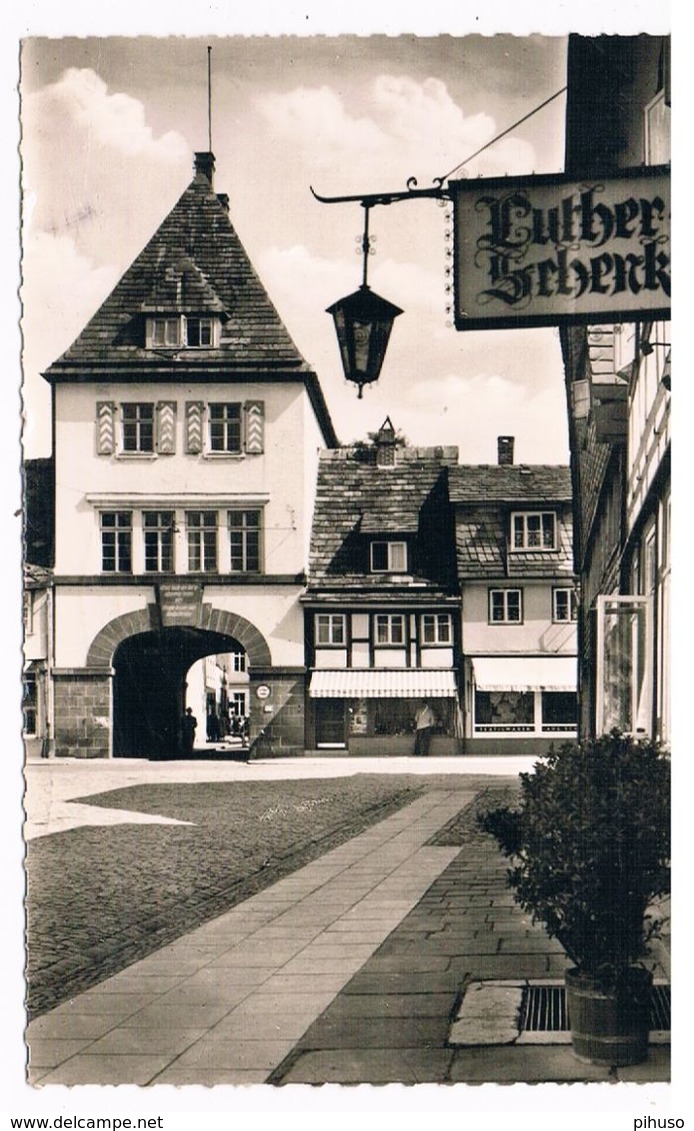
(330, 628)
(559, 710)
(158, 532)
(504, 710)
(116, 541)
(437, 628)
(505, 606)
(388, 557)
(138, 427)
(564, 605)
(390, 628)
(244, 541)
(201, 528)
(533, 530)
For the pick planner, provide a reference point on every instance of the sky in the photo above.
(110, 125)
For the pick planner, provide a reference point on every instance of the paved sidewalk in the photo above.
(349, 970)
(226, 1003)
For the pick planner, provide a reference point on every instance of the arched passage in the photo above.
(150, 667)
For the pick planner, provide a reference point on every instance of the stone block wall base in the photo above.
(82, 713)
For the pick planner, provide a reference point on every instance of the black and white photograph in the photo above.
(344, 529)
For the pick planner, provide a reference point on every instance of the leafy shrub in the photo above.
(590, 847)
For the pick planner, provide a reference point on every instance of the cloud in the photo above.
(317, 114)
(412, 128)
(114, 120)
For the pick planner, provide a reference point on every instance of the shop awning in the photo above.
(525, 673)
(377, 683)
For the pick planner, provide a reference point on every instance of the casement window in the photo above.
(239, 661)
(163, 333)
(505, 606)
(564, 605)
(225, 431)
(201, 529)
(244, 541)
(158, 532)
(30, 703)
(437, 628)
(138, 427)
(533, 530)
(200, 332)
(28, 610)
(175, 331)
(389, 628)
(330, 628)
(388, 557)
(116, 541)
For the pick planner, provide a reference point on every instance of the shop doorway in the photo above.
(330, 723)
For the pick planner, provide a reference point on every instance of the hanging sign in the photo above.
(552, 250)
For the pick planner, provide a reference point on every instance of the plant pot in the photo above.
(609, 1025)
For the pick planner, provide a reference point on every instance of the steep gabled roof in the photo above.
(357, 500)
(510, 483)
(195, 262)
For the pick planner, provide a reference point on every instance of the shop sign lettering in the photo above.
(549, 250)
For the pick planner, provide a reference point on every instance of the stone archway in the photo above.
(149, 666)
(106, 641)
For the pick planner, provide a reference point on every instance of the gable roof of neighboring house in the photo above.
(357, 500)
(484, 498)
(194, 263)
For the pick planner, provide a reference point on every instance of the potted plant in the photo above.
(590, 849)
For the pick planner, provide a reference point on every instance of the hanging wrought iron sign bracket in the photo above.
(363, 320)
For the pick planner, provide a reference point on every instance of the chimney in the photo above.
(505, 448)
(204, 163)
(385, 444)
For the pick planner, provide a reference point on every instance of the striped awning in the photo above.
(525, 673)
(377, 683)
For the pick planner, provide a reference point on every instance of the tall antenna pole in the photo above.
(209, 99)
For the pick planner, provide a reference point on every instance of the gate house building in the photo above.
(186, 435)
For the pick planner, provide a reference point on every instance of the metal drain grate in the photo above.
(544, 1010)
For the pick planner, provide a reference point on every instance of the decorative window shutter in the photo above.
(254, 426)
(194, 414)
(105, 428)
(166, 427)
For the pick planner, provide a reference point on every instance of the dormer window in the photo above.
(388, 557)
(177, 331)
(533, 530)
(164, 333)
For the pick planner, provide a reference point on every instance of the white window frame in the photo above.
(160, 528)
(196, 531)
(245, 530)
(171, 331)
(336, 630)
(387, 621)
(122, 546)
(640, 649)
(392, 550)
(205, 322)
(239, 661)
(165, 332)
(520, 519)
(138, 421)
(571, 606)
(506, 619)
(436, 622)
(225, 423)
